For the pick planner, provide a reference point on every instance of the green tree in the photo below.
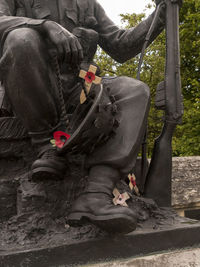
(187, 137)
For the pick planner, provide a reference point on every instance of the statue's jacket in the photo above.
(120, 44)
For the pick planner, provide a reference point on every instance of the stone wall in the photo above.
(186, 182)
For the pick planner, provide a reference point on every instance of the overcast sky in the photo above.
(115, 7)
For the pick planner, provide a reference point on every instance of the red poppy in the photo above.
(90, 77)
(60, 138)
(133, 182)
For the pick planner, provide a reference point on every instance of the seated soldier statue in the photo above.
(30, 30)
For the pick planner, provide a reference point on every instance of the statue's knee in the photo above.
(144, 90)
(135, 87)
(22, 39)
(140, 88)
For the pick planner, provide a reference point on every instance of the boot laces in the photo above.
(49, 154)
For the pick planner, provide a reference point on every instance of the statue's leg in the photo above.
(29, 81)
(133, 100)
(30, 86)
(115, 158)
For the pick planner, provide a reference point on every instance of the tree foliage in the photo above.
(186, 141)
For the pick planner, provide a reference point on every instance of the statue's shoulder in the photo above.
(86, 4)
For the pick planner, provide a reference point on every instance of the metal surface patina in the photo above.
(69, 138)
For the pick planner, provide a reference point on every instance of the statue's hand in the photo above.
(68, 46)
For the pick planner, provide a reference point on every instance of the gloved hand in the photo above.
(67, 44)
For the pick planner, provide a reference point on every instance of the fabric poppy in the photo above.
(133, 182)
(90, 77)
(60, 138)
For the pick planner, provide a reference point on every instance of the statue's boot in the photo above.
(95, 204)
(49, 165)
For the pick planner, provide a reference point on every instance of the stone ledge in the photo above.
(183, 258)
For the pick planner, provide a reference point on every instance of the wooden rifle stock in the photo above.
(158, 181)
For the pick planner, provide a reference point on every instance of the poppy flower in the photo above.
(133, 182)
(90, 77)
(60, 138)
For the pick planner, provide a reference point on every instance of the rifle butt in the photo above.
(158, 180)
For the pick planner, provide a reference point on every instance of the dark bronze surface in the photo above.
(42, 52)
(158, 184)
(172, 233)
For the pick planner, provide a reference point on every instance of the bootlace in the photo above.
(48, 154)
(51, 153)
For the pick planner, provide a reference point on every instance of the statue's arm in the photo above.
(8, 20)
(66, 43)
(121, 44)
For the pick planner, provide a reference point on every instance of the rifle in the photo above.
(158, 180)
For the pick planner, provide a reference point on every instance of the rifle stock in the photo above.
(158, 180)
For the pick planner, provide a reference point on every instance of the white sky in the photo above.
(115, 7)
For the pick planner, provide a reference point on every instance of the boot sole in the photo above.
(113, 224)
(44, 173)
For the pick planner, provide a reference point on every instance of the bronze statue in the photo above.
(31, 31)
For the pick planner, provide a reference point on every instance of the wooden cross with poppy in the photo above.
(90, 78)
(120, 199)
(132, 184)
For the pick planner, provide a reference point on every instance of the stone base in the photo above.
(87, 245)
(183, 258)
